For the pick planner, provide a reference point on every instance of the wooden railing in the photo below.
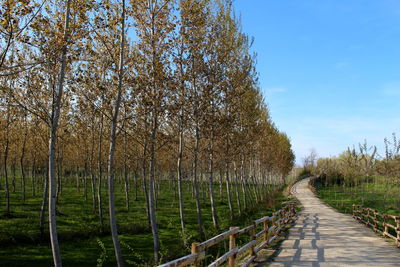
(385, 224)
(271, 226)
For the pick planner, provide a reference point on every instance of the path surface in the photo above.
(324, 237)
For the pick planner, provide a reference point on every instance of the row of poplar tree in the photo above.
(168, 86)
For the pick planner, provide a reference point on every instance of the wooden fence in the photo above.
(271, 226)
(385, 224)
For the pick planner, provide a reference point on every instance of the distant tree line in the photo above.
(358, 164)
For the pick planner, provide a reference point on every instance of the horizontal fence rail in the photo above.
(385, 224)
(271, 227)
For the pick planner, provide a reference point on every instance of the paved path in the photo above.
(323, 237)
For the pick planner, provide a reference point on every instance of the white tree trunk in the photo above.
(113, 137)
(180, 157)
(56, 108)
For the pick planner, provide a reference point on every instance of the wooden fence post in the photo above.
(253, 237)
(363, 215)
(273, 223)
(375, 221)
(232, 240)
(398, 231)
(195, 250)
(265, 224)
(385, 232)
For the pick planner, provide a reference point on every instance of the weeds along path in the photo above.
(325, 237)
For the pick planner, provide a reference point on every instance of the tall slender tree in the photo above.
(113, 138)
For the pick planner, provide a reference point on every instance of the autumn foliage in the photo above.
(147, 89)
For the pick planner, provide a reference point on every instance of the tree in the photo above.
(309, 161)
(193, 29)
(154, 27)
(113, 137)
(72, 82)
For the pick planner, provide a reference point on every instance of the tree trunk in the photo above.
(255, 192)
(77, 176)
(52, 196)
(33, 176)
(5, 158)
(59, 172)
(126, 183)
(85, 173)
(228, 190)
(56, 109)
(92, 172)
(254, 181)
(21, 162)
(100, 168)
(44, 203)
(180, 157)
(152, 208)
(237, 189)
(113, 138)
(196, 185)
(243, 184)
(211, 183)
(136, 182)
(14, 173)
(126, 175)
(144, 175)
(221, 182)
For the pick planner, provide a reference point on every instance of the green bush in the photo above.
(305, 173)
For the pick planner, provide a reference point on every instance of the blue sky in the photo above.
(329, 69)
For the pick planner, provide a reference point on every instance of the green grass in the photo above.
(378, 193)
(79, 228)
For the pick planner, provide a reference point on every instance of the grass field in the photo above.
(378, 193)
(80, 235)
